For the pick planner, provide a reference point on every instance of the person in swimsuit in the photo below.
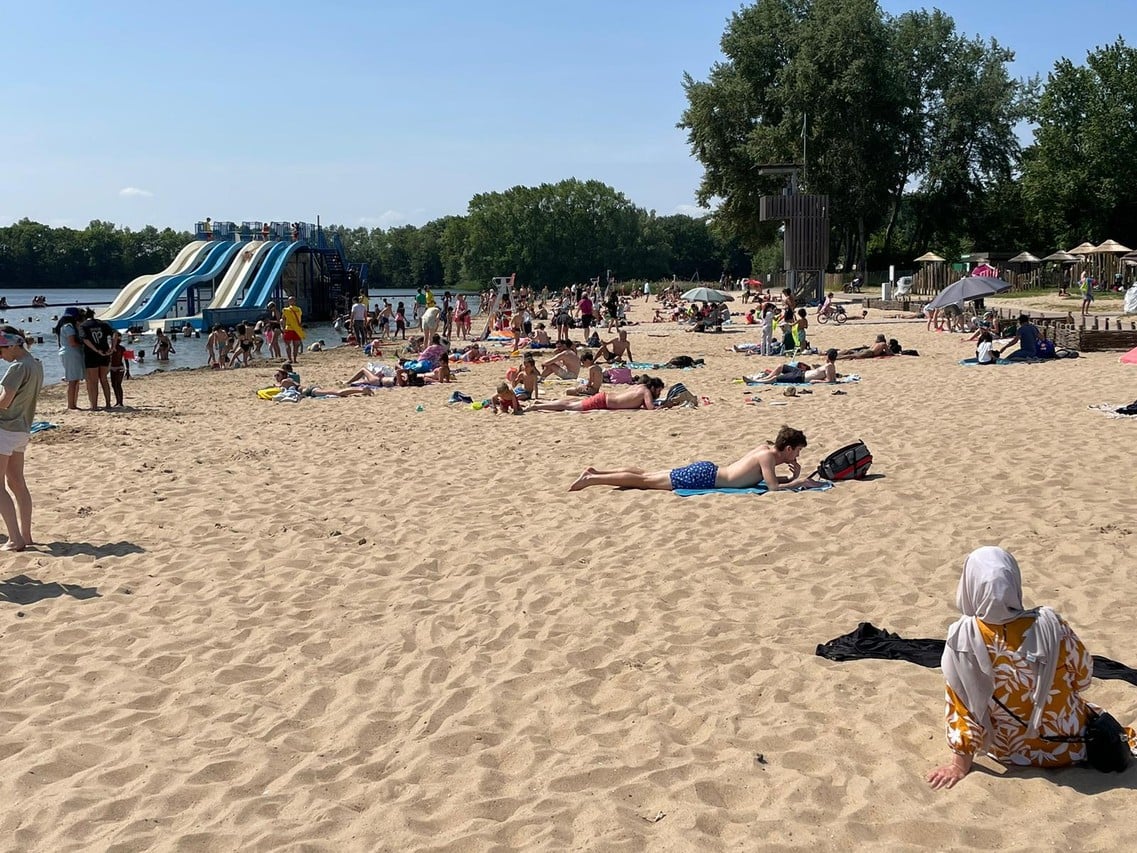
(800, 372)
(757, 466)
(640, 396)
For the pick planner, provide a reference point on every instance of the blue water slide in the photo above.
(260, 291)
(165, 297)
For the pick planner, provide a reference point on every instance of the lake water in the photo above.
(38, 323)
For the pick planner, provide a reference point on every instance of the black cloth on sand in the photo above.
(870, 642)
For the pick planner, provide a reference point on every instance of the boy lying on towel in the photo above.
(757, 466)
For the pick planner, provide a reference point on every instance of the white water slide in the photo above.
(127, 300)
(239, 274)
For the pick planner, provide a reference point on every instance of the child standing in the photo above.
(120, 367)
(768, 328)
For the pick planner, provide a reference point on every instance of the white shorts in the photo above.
(13, 442)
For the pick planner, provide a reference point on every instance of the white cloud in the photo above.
(692, 210)
(134, 192)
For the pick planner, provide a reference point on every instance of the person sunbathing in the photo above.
(316, 391)
(758, 466)
(595, 377)
(565, 364)
(617, 349)
(639, 396)
(800, 372)
(879, 348)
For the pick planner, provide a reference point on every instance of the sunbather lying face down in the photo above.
(879, 348)
(638, 396)
(757, 466)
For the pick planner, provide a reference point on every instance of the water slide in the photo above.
(238, 276)
(127, 300)
(260, 290)
(166, 296)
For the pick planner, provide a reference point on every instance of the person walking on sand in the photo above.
(758, 466)
(1086, 285)
(19, 390)
(292, 318)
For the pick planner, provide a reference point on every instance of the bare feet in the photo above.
(13, 545)
(582, 480)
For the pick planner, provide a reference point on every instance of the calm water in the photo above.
(38, 323)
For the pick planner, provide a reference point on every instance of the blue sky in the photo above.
(383, 113)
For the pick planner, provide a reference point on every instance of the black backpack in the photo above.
(851, 462)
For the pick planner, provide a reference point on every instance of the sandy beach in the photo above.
(347, 624)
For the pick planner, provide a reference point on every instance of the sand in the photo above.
(351, 625)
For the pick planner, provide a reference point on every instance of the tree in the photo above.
(1079, 173)
(871, 106)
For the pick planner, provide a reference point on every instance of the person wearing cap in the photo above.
(71, 353)
(19, 391)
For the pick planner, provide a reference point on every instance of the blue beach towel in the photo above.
(972, 362)
(40, 426)
(760, 489)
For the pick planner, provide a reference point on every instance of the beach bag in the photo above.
(619, 375)
(1044, 348)
(1107, 745)
(677, 395)
(851, 462)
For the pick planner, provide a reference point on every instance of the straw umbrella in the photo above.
(1064, 259)
(1107, 263)
(1025, 259)
(936, 278)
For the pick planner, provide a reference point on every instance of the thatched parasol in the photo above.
(1111, 247)
(1083, 249)
(930, 257)
(1062, 258)
(1025, 258)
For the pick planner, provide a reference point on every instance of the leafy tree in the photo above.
(1079, 174)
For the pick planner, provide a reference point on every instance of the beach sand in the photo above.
(351, 625)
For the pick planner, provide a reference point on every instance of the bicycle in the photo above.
(836, 313)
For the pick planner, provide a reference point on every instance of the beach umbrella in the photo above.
(706, 294)
(929, 257)
(1061, 257)
(1083, 249)
(985, 270)
(1111, 247)
(967, 288)
(1024, 258)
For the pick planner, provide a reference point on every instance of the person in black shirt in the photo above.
(95, 335)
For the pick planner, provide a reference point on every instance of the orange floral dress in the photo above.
(1065, 713)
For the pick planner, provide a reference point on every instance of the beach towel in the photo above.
(973, 362)
(41, 426)
(1112, 410)
(869, 642)
(760, 489)
(268, 393)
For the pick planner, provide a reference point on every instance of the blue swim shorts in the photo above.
(697, 475)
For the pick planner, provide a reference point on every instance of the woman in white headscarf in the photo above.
(1014, 676)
